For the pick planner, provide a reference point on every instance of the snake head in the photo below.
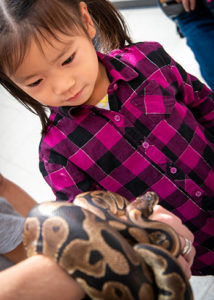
(144, 204)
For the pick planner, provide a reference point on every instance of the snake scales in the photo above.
(110, 256)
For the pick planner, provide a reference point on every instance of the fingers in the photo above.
(185, 266)
(188, 4)
(163, 215)
(189, 256)
(186, 260)
(185, 235)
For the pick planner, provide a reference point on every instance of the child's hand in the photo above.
(163, 215)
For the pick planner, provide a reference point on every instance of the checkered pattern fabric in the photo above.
(158, 136)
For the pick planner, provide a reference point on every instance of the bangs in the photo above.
(42, 22)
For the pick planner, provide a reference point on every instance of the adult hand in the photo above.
(188, 4)
(185, 235)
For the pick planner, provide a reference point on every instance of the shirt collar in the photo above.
(117, 68)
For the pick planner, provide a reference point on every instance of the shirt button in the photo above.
(145, 145)
(117, 118)
(198, 194)
(173, 170)
(115, 86)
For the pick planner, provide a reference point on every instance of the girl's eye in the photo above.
(68, 60)
(35, 83)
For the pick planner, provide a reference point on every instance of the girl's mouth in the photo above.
(75, 97)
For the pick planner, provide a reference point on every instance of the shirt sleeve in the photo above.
(11, 229)
(196, 95)
(65, 179)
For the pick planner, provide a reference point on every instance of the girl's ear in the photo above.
(87, 20)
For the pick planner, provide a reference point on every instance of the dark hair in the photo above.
(20, 20)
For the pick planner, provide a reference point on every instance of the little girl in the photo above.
(127, 120)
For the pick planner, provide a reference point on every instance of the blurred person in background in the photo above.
(195, 22)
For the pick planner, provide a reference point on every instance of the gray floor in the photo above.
(20, 129)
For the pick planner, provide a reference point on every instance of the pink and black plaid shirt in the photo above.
(157, 136)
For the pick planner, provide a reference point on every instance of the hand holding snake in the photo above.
(110, 257)
(187, 255)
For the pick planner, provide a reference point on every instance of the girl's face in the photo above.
(66, 72)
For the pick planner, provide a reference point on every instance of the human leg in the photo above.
(210, 5)
(21, 201)
(198, 28)
(14, 204)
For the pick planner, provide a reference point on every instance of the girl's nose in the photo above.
(62, 85)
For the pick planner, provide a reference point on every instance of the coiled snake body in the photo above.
(110, 246)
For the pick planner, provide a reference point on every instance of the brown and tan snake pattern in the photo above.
(110, 246)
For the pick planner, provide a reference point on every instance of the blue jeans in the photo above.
(198, 28)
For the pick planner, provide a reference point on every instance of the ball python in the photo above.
(109, 246)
